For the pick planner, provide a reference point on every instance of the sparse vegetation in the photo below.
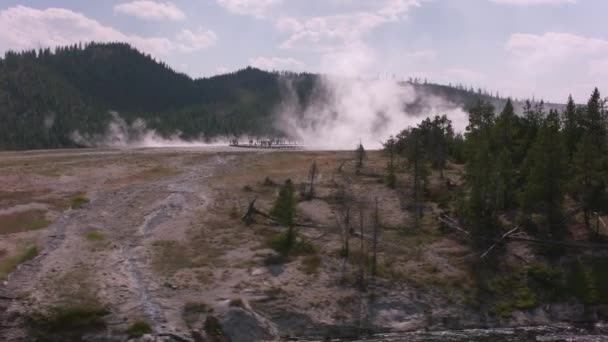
(78, 201)
(194, 312)
(70, 319)
(268, 182)
(311, 264)
(95, 235)
(9, 264)
(236, 302)
(138, 329)
(23, 221)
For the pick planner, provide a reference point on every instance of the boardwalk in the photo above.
(278, 144)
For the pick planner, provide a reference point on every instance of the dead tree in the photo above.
(344, 208)
(375, 239)
(360, 156)
(312, 175)
(362, 252)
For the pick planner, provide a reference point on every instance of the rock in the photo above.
(239, 324)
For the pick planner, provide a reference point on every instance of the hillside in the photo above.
(46, 96)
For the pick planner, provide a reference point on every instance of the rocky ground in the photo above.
(115, 244)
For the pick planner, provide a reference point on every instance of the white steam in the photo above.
(120, 134)
(345, 109)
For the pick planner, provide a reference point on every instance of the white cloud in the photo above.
(24, 27)
(547, 64)
(189, 41)
(533, 2)
(254, 8)
(553, 47)
(335, 31)
(422, 54)
(151, 10)
(464, 75)
(277, 63)
(599, 66)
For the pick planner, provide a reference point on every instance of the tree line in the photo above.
(524, 168)
(48, 94)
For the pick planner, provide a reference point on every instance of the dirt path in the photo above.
(117, 271)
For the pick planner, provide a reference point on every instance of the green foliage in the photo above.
(513, 293)
(95, 235)
(9, 264)
(284, 210)
(282, 244)
(23, 221)
(588, 281)
(547, 280)
(72, 319)
(78, 201)
(543, 188)
(138, 329)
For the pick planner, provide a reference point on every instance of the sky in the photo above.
(522, 48)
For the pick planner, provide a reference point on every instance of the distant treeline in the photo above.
(46, 95)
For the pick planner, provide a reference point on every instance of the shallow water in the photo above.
(563, 332)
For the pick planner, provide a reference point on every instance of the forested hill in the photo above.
(46, 96)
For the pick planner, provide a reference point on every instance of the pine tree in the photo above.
(284, 210)
(481, 174)
(543, 187)
(505, 139)
(588, 181)
(572, 131)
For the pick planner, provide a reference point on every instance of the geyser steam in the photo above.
(345, 109)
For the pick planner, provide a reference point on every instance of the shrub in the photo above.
(193, 311)
(9, 264)
(390, 180)
(268, 182)
(236, 302)
(78, 201)
(247, 188)
(310, 264)
(138, 329)
(95, 235)
(69, 319)
(234, 212)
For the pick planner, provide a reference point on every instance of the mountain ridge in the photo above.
(46, 96)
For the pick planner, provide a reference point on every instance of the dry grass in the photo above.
(23, 221)
(310, 264)
(95, 235)
(171, 256)
(9, 264)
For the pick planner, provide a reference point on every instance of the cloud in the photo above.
(599, 66)
(254, 8)
(189, 41)
(24, 27)
(277, 63)
(151, 10)
(554, 64)
(464, 75)
(329, 32)
(553, 47)
(422, 54)
(533, 2)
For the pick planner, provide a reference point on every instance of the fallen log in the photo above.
(249, 217)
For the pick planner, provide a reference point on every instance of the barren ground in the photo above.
(159, 239)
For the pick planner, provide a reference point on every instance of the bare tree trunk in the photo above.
(363, 255)
(417, 188)
(375, 239)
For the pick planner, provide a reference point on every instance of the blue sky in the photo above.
(541, 48)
